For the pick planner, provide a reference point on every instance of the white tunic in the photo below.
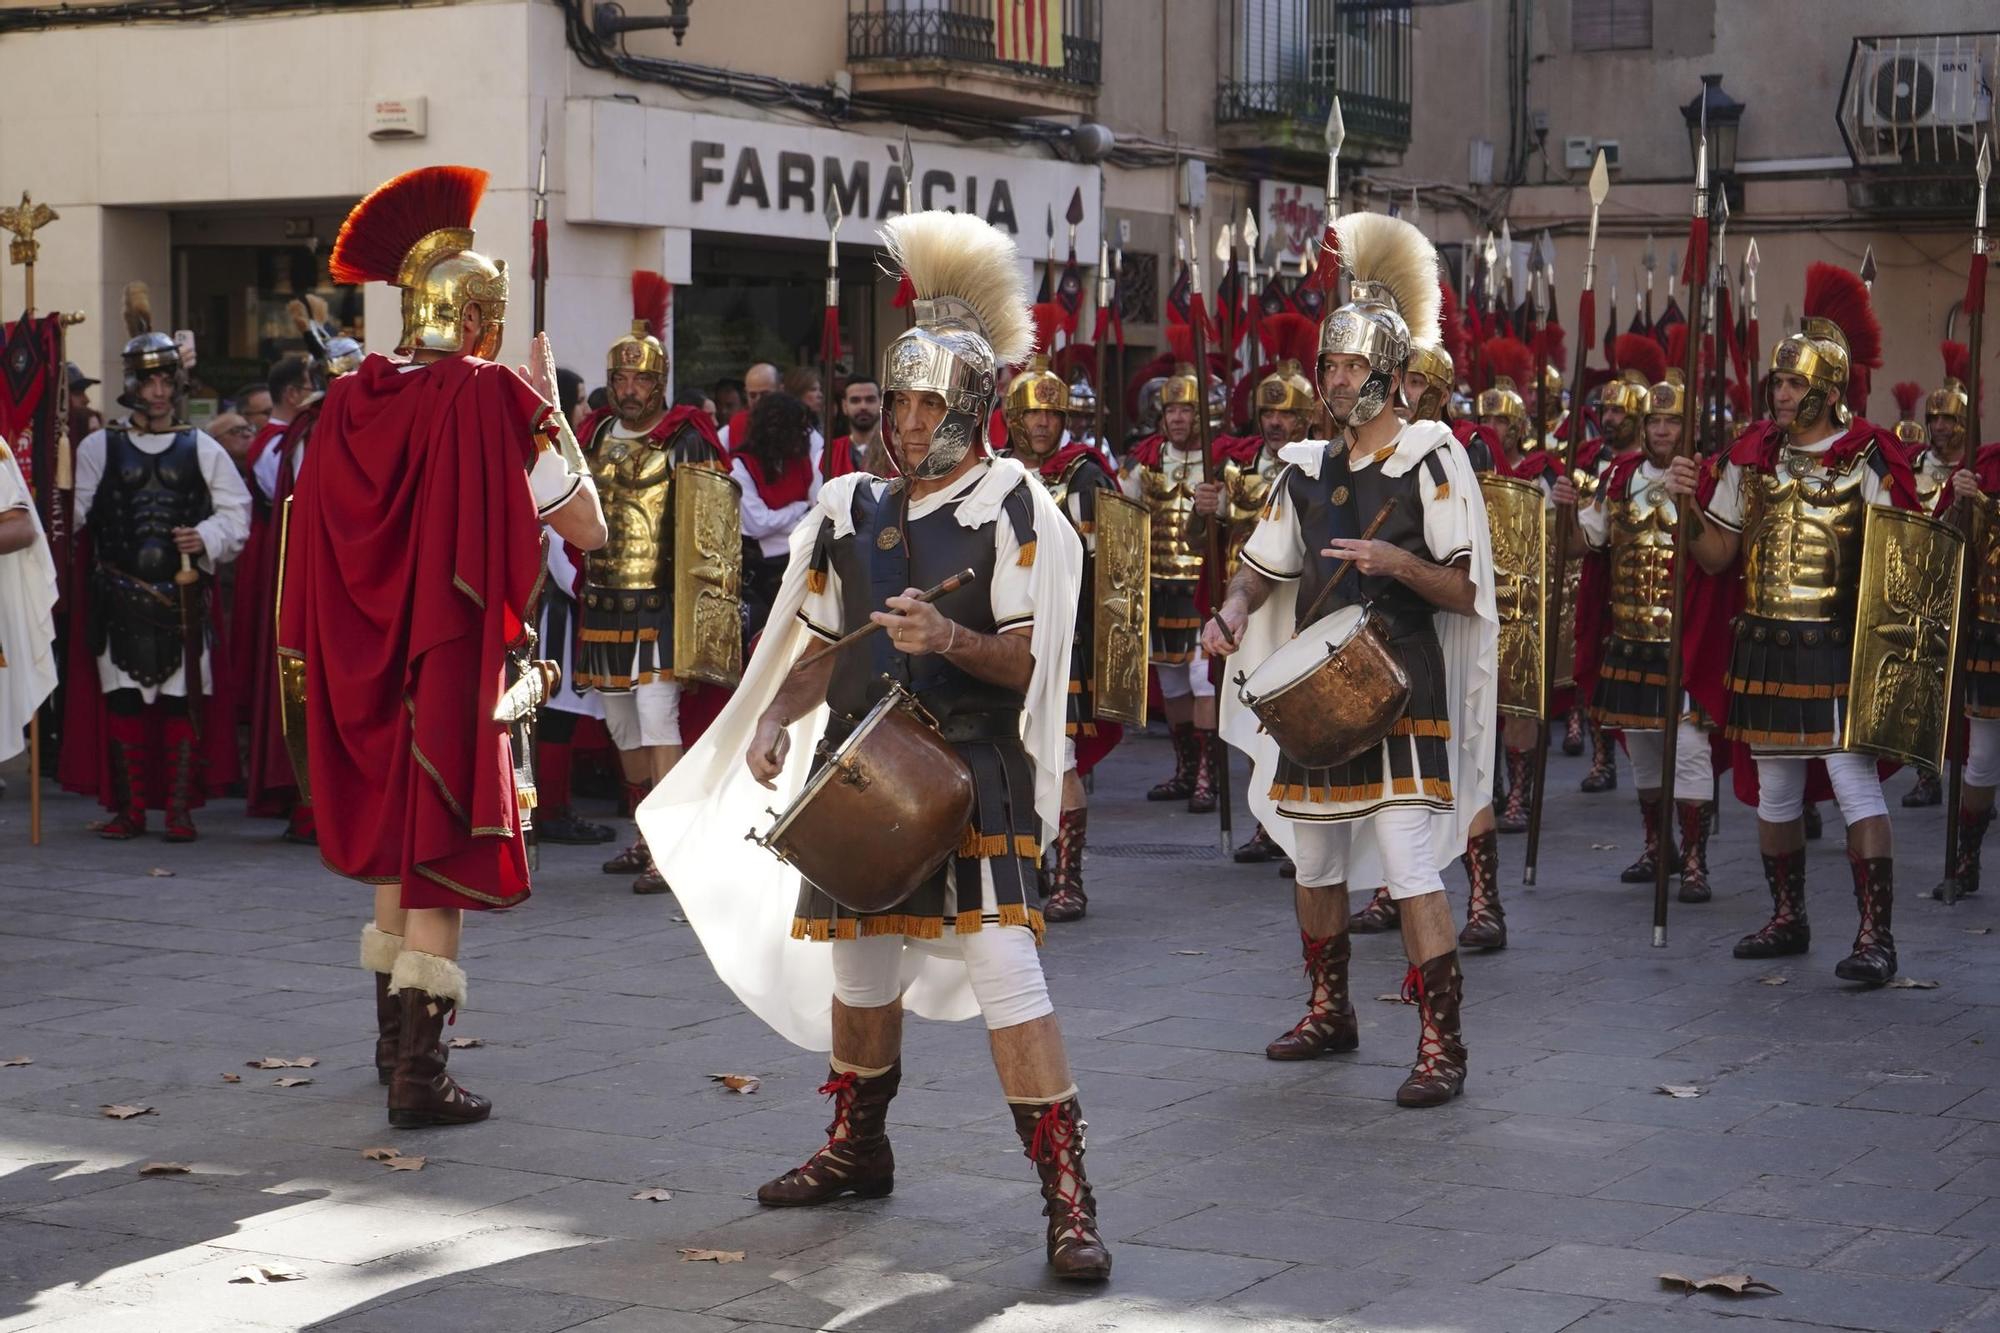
(27, 615)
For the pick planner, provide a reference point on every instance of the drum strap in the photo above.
(963, 727)
(888, 569)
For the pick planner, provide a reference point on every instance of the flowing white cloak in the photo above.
(1470, 643)
(740, 898)
(27, 616)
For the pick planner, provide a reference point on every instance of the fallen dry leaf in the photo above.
(291, 1082)
(381, 1154)
(405, 1163)
(124, 1112)
(1391, 999)
(1979, 930)
(1192, 953)
(1603, 846)
(464, 1043)
(1775, 979)
(16, 1062)
(232, 1078)
(266, 1273)
(1911, 983)
(1736, 1284)
(160, 872)
(164, 1169)
(1679, 1089)
(714, 1256)
(743, 1083)
(654, 1195)
(279, 1062)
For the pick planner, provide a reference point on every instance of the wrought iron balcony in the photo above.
(1920, 100)
(1037, 57)
(1289, 58)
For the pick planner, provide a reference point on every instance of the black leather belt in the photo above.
(982, 726)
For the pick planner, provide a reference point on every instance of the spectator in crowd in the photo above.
(774, 467)
(802, 383)
(599, 399)
(234, 434)
(83, 418)
(569, 394)
(862, 449)
(728, 396)
(759, 380)
(695, 398)
(254, 402)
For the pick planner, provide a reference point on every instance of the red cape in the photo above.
(269, 783)
(1058, 462)
(256, 574)
(413, 550)
(668, 427)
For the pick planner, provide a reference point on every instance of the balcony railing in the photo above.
(1289, 58)
(1001, 34)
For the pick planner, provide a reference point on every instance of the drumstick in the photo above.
(1340, 571)
(950, 585)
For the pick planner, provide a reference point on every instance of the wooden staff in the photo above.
(1341, 570)
(1099, 331)
(1976, 521)
(1697, 278)
(1552, 606)
(852, 637)
(1217, 553)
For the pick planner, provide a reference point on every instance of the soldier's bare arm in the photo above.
(804, 690)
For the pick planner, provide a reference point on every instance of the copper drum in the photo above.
(881, 814)
(1332, 692)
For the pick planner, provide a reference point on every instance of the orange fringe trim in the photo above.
(1810, 741)
(618, 636)
(914, 927)
(1444, 490)
(1771, 689)
(1970, 711)
(1633, 677)
(1299, 792)
(1027, 555)
(585, 681)
(1172, 659)
(1179, 622)
(1426, 726)
(974, 847)
(815, 580)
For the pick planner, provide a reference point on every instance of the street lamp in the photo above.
(1723, 116)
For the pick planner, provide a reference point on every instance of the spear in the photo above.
(1225, 315)
(1507, 273)
(1212, 571)
(1697, 274)
(1649, 263)
(1099, 335)
(829, 338)
(1115, 322)
(906, 292)
(1975, 314)
(1718, 321)
(1049, 263)
(1867, 270)
(538, 267)
(1752, 354)
(1326, 273)
(1586, 320)
(1611, 318)
(1253, 304)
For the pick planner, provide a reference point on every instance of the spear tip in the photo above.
(1750, 257)
(831, 211)
(1867, 270)
(1985, 161)
(1075, 214)
(1336, 129)
(1600, 181)
(1225, 242)
(1250, 228)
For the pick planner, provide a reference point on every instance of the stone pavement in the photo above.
(1845, 1149)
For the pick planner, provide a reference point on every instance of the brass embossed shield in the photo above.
(1905, 637)
(708, 577)
(1121, 587)
(1514, 514)
(291, 674)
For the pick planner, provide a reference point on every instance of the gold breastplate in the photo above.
(1931, 480)
(1642, 561)
(632, 479)
(1168, 492)
(1802, 540)
(1247, 488)
(1987, 551)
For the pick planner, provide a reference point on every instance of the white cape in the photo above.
(1469, 643)
(741, 899)
(27, 617)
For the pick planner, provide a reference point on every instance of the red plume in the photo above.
(1677, 349)
(1835, 294)
(399, 213)
(1554, 343)
(1636, 351)
(650, 293)
(1859, 380)
(1739, 400)
(1957, 361)
(1180, 337)
(1289, 335)
(1049, 316)
(1074, 359)
(1907, 393)
(1457, 344)
(1509, 357)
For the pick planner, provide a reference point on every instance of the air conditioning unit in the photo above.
(1901, 91)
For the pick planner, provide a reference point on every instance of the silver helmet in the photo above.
(1393, 290)
(147, 350)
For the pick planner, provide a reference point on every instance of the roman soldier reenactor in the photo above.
(1403, 808)
(150, 706)
(1933, 431)
(988, 662)
(412, 553)
(1037, 406)
(625, 610)
(1501, 409)
(1782, 529)
(1977, 484)
(1162, 473)
(1631, 517)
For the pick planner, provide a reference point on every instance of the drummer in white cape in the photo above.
(1420, 588)
(989, 664)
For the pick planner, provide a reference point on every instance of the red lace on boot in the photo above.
(126, 755)
(1439, 1072)
(177, 737)
(1056, 1146)
(1329, 1025)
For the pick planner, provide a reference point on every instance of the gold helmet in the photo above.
(1285, 389)
(1641, 363)
(1430, 360)
(1393, 289)
(1667, 398)
(1502, 400)
(1509, 362)
(1035, 389)
(1839, 332)
(1951, 399)
(415, 232)
(971, 311)
(642, 350)
(1909, 396)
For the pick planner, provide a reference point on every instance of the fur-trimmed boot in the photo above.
(428, 991)
(1485, 919)
(1066, 901)
(1329, 1026)
(1379, 915)
(177, 739)
(1437, 988)
(1052, 1135)
(1788, 931)
(1181, 785)
(857, 1159)
(1873, 961)
(378, 955)
(131, 777)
